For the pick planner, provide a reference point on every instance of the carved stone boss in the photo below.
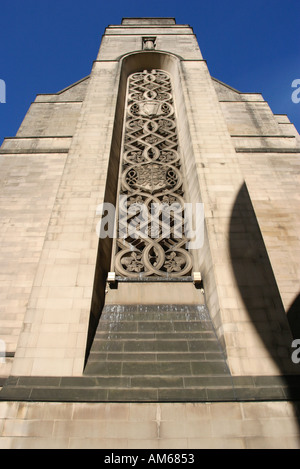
(151, 239)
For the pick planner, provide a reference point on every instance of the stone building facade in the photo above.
(123, 341)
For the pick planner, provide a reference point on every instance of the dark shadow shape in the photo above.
(258, 287)
(293, 316)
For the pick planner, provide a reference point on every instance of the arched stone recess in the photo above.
(200, 252)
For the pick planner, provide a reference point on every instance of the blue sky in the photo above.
(46, 45)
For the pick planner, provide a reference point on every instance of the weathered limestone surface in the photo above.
(148, 426)
(240, 160)
(32, 164)
(54, 339)
(231, 142)
(29, 186)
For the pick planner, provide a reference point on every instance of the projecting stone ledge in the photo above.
(100, 389)
(148, 21)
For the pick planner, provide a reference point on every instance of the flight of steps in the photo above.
(157, 352)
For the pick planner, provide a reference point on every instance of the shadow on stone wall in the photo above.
(258, 287)
(293, 316)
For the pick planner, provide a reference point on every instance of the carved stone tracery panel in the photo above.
(151, 239)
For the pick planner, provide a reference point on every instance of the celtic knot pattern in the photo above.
(151, 183)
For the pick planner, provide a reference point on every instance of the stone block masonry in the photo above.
(149, 364)
(167, 426)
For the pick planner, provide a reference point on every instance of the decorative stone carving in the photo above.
(151, 184)
(149, 43)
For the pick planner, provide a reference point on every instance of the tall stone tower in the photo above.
(150, 258)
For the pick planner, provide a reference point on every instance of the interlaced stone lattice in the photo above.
(151, 238)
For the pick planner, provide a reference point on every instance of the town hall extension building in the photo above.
(150, 255)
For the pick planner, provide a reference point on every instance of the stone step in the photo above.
(151, 368)
(156, 357)
(140, 325)
(191, 335)
(156, 345)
